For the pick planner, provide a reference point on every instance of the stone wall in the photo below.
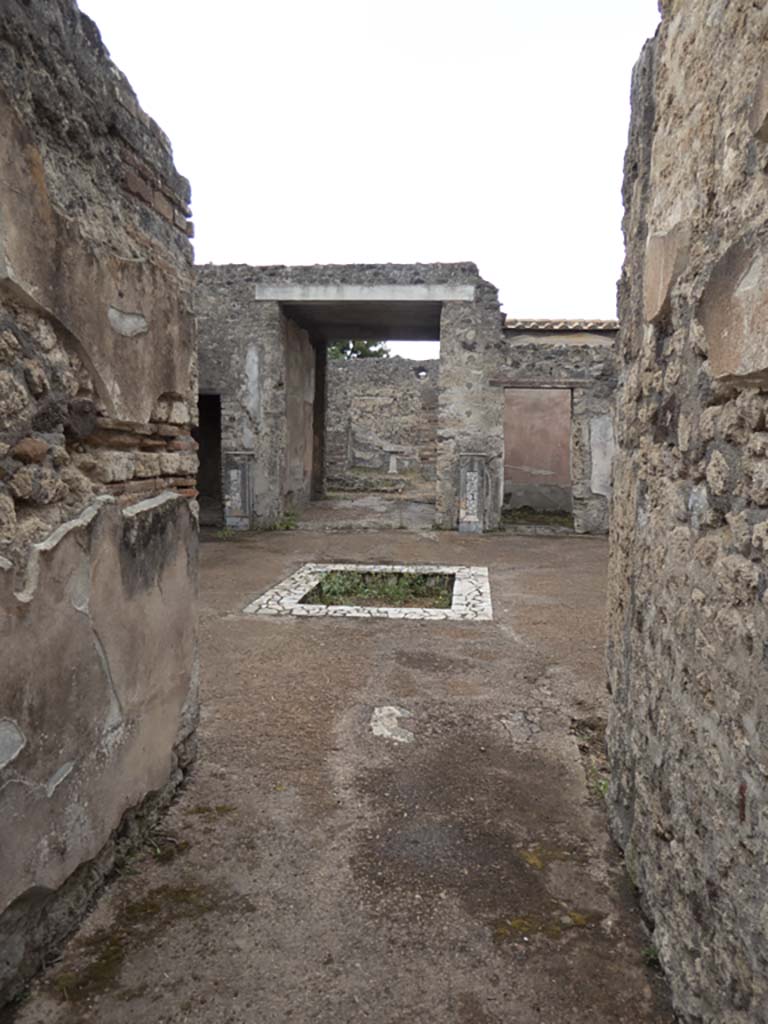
(381, 424)
(97, 534)
(688, 614)
(470, 431)
(250, 319)
(581, 361)
(262, 365)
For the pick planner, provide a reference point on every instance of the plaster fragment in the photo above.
(129, 325)
(384, 723)
(12, 741)
(58, 777)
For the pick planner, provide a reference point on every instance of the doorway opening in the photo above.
(209, 473)
(381, 435)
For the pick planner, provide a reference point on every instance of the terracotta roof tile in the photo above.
(561, 325)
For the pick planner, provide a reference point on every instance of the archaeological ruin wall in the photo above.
(97, 468)
(559, 380)
(255, 321)
(268, 377)
(382, 425)
(689, 532)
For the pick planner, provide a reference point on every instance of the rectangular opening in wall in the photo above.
(208, 436)
(381, 429)
(537, 459)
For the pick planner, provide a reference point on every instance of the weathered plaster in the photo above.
(97, 533)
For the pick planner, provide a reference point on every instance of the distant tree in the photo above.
(358, 350)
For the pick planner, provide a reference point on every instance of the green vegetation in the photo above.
(383, 590)
(651, 957)
(358, 350)
(287, 522)
(103, 954)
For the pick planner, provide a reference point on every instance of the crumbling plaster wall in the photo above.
(97, 535)
(263, 367)
(687, 605)
(381, 423)
(584, 363)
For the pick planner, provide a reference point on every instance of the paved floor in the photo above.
(315, 872)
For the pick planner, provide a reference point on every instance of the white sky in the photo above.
(356, 131)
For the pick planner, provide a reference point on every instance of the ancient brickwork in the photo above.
(97, 535)
(583, 363)
(688, 615)
(382, 424)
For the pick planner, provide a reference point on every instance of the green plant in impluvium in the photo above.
(385, 589)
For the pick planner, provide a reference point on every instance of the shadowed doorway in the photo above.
(208, 437)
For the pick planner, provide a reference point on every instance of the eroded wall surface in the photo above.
(97, 466)
(688, 615)
(583, 364)
(470, 431)
(381, 423)
(262, 365)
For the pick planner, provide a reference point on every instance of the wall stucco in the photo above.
(97, 535)
(537, 448)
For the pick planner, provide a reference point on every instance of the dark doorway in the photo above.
(208, 437)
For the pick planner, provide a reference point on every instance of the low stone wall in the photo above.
(688, 613)
(581, 362)
(97, 466)
(381, 423)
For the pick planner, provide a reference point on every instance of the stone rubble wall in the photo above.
(687, 605)
(585, 364)
(263, 367)
(243, 353)
(470, 431)
(381, 423)
(97, 466)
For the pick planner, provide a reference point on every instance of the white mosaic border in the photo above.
(471, 594)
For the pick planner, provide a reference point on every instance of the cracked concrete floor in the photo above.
(313, 872)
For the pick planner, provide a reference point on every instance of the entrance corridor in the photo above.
(312, 871)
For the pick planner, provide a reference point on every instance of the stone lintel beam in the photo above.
(268, 292)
